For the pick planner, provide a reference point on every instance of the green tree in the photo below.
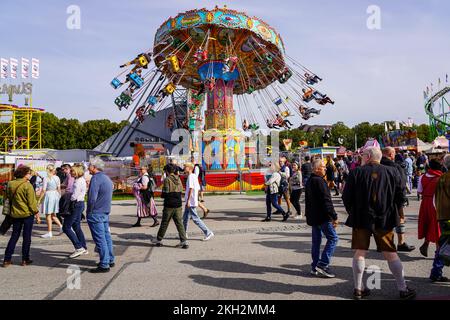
(423, 133)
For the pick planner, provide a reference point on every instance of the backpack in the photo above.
(201, 172)
(284, 185)
(148, 194)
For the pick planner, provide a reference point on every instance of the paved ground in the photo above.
(248, 259)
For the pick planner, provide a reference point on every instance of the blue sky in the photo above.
(373, 75)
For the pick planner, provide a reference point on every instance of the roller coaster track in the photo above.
(435, 119)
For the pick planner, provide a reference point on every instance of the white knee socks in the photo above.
(358, 272)
(396, 268)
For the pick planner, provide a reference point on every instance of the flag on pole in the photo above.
(13, 64)
(4, 68)
(35, 68)
(25, 68)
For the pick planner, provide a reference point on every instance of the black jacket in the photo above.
(306, 170)
(401, 172)
(318, 204)
(171, 192)
(372, 197)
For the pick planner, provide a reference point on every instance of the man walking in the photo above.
(388, 160)
(372, 197)
(306, 170)
(98, 210)
(171, 193)
(191, 202)
(322, 217)
(442, 197)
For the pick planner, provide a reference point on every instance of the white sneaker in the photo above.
(209, 237)
(297, 217)
(47, 235)
(77, 253)
(85, 252)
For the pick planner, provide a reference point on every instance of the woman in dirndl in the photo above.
(428, 223)
(142, 191)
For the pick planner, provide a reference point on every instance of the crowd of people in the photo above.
(374, 187)
(64, 193)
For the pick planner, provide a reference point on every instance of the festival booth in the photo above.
(322, 152)
(401, 140)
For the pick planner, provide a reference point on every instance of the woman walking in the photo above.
(272, 193)
(428, 223)
(51, 192)
(331, 176)
(72, 222)
(295, 183)
(143, 192)
(23, 208)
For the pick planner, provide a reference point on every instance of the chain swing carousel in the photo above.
(226, 58)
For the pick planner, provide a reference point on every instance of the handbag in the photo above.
(7, 208)
(65, 205)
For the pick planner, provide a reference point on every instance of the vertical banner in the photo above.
(25, 68)
(3, 68)
(35, 68)
(13, 63)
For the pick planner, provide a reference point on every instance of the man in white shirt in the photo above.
(191, 202)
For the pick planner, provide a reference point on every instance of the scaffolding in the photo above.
(20, 128)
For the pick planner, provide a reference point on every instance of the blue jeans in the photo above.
(192, 212)
(72, 226)
(99, 226)
(438, 264)
(18, 224)
(272, 200)
(332, 240)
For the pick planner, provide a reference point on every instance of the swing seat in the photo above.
(136, 80)
(123, 101)
(152, 112)
(278, 101)
(115, 83)
(285, 114)
(143, 61)
(250, 90)
(174, 62)
(170, 88)
(283, 78)
(152, 100)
